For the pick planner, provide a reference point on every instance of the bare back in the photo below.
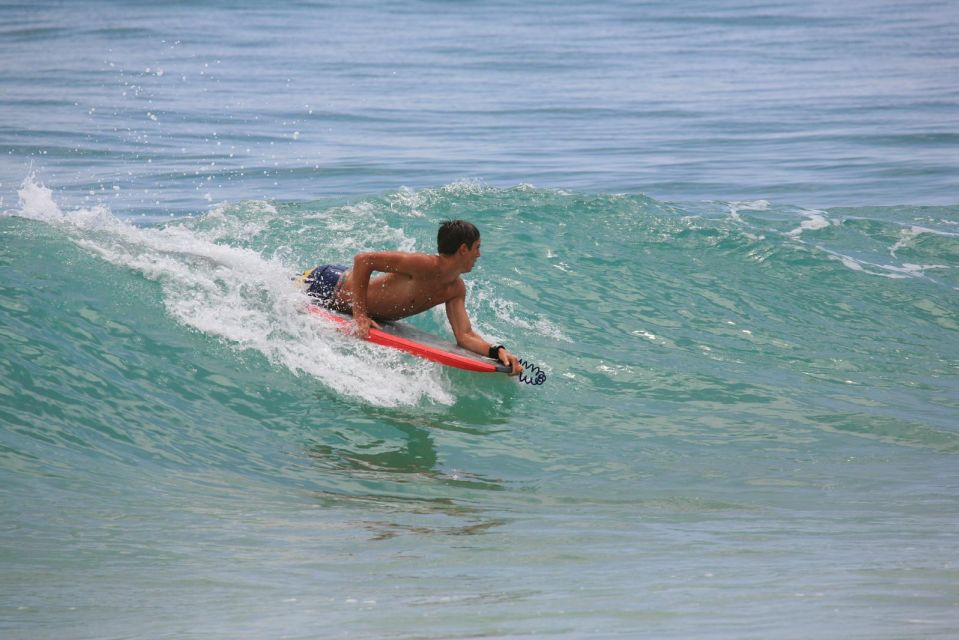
(412, 284)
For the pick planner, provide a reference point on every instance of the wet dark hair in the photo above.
(453, 233)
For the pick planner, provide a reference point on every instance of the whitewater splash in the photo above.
(238, 295)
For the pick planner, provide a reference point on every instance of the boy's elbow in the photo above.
(465, 339)
(363, 261)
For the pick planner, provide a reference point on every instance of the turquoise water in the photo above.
(728, 232)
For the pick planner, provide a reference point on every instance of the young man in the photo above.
(410, 283)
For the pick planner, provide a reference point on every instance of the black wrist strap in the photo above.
(494, 351)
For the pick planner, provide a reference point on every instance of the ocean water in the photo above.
(727, 231)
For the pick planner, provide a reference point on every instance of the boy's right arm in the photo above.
(364, 264)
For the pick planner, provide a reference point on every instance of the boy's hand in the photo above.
(363, 324)
(510, 361)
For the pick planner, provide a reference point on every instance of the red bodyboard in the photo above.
(389, 336)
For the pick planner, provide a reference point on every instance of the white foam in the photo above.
(465, 187)
(814, 220)
(905, 239)
(36, 202)
(906, 236)
(229, 226)
(237, 295)
(891, 271)
(406, 201)
(912, 270)
(849, 263)
(748, 205)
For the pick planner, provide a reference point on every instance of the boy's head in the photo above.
(454, 233)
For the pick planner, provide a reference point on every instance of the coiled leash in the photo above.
(539, 377)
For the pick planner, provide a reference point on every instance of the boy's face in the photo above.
(471, 254)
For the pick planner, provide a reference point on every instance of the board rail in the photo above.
(388, 336)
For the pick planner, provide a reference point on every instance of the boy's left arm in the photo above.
(469, 339)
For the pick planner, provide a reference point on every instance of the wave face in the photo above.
(716, 367)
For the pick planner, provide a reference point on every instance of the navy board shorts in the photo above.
(321, 281)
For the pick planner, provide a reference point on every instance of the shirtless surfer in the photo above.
(410, 283)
